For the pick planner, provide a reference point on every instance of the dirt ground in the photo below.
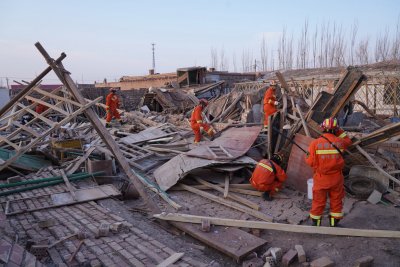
(342, 250)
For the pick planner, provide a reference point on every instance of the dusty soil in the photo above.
(342, 250)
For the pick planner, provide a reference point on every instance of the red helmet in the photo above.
(330, 124)
(203, 102)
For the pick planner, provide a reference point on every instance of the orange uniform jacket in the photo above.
(327, 163)
(112, 103)
(269, 104)
(196, 121)
(264, 178)
(41, 108)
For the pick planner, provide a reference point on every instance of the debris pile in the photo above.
(58, 161)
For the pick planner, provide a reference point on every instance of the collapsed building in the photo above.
(74, 193)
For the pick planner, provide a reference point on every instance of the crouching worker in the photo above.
(268, 176)
(196, 121)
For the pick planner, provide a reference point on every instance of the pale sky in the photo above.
(109, 39)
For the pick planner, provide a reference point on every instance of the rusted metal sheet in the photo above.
(298, 171)
(235, 142)
(178, 167)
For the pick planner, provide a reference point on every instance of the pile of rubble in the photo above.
(57, 165)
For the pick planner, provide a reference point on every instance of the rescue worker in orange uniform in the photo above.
(270, 103)
(196, 121)
(40, 108)
(112, 104)
(268, 176)
(325, 157)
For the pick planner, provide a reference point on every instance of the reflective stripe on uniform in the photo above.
(317, 217)
(333, 214)
(265, 166)
(343, 135)
(199, 121)
(327, 152)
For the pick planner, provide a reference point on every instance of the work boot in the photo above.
(333, 222)
(266, 196)
(108, 125)
(316, 222)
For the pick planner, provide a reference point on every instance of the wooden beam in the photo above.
(171, 260)
(370, 159)
(303, 122)
(81, 160)
(176, 217)
(68, 184)
(230, 204)
(226, 188)
(230, 195)
(65, 78)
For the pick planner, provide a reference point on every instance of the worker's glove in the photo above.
(276, 103)
(211, 132)
(276, 189)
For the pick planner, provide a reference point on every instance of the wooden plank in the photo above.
(230, 204)
(171, 259)
(338, 231)
(44, 103)
(81, 160)
(85, 195)
(231, 196)
(231, 241)
(68, 184)
(226, 188)
(63, 99)
(370, 159)
(303, 122)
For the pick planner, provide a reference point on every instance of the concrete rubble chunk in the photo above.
(301, 254)
(366, 261)
(277, 254)
(322, 262)
(269, 262)
(289, 257)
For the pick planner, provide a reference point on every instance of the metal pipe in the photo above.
(50, 179)
(9, 192)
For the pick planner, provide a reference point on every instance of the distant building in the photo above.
(184, 77)
(4, 96)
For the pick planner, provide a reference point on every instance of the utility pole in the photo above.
(154, 58)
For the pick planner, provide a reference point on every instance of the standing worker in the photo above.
(268, 176)
(325, 157)
(112, 104)
(269, 103)
(196, 121)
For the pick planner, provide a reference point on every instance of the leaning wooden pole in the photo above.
(66, 79)
(26, 90)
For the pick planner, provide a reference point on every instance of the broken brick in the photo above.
(322, 262)
(289, 257)
(301, 254)
(365, 261)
